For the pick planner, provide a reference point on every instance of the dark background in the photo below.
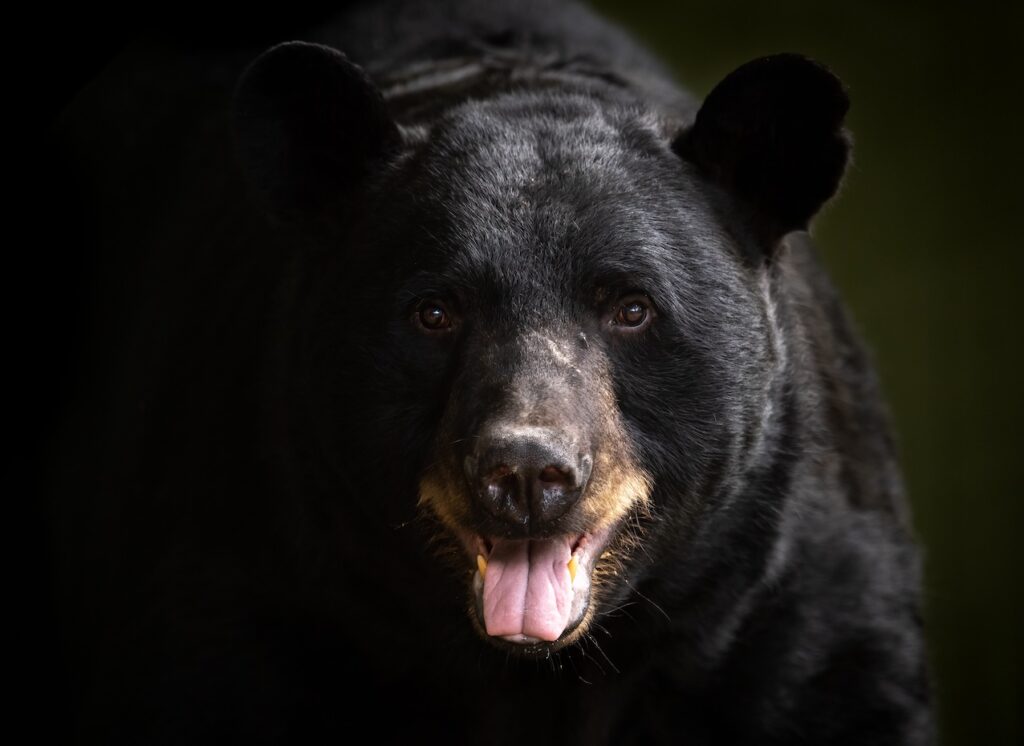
(924, 242)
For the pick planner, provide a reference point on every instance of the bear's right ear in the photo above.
(309, 126)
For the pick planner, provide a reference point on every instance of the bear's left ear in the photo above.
(310, 126)
(771, 133)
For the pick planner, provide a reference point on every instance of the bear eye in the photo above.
(633, 313)
(434, 316)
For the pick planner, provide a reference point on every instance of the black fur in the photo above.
(771, 134)
(313, 126)
(245, 558)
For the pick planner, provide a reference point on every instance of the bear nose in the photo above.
(528, 477)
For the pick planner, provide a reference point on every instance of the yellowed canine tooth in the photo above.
(481, 565)
(573, 566)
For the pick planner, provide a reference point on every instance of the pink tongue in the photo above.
(527, 588)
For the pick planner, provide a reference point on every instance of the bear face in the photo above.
(567, 306)
(561, 329)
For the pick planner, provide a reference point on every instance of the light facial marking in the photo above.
(556, 351)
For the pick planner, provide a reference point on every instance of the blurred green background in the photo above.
(924, 241)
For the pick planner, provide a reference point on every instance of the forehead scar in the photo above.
(557, 352)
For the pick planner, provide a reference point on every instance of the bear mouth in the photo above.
(534, 593)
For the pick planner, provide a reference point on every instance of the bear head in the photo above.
(567, 303)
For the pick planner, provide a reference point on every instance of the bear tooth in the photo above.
(481, 565)
(572, 566)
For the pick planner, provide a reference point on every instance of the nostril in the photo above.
(553, 476)
(502, 491)
(501, 482)
(498, 474)
(553, 493)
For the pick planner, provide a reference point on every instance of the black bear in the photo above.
(459, 377)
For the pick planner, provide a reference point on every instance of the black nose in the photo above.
(528, 477)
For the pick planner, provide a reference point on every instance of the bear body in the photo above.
(476, 383)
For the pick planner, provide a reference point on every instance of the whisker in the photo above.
(604, 655)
